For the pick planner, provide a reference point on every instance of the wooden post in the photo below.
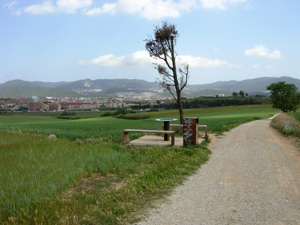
(173, 139)
(125, 137)
(166, 127)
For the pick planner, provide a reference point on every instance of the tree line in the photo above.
(205, 103)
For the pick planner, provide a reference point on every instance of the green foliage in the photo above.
(118, 112)
(68, 115)
(242, 93)
(218, 102)
(296, 115)
(284, 96)
(287, 124)
(134, 116)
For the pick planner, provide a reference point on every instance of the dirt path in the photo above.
(253, 177)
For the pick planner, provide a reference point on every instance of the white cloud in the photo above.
(44, 8)
(10, 5)
(199, 62)
(142, 58)
(255, 66)
(150, 9)
(139, 58)
(71, 6)
(219, 4)
(262, 51)
(106, 9)
(67, 6)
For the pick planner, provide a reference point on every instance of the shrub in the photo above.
(287, 125)
(108, 114)
(138, 116)
(67, 113)
(118, 112)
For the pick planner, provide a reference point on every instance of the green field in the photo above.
(86, 175)
(110, 128)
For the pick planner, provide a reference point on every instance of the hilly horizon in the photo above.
(105, 87)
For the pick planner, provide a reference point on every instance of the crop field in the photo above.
(110, 128)
(86, 175)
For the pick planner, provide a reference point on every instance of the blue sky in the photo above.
(221, 40)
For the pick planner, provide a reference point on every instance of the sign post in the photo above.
(190, 131)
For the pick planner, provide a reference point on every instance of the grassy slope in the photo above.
(36, 171)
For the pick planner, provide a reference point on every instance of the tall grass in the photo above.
(34, 167)
(287, 124)
(36, 172)
(296, 115)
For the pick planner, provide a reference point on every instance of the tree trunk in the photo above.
(176, 84)
(180, 107)
(180, 111)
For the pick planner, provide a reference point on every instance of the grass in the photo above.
(47, 168)
(288, 124)
(296, 115)
(109, 128)
(86, 176)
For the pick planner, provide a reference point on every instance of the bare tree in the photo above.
(162, 47)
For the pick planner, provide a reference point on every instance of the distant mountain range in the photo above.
(107, 87)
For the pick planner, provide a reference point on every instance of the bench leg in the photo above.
(173, 140)
(125, 138)
(205, 132)
(166, 127)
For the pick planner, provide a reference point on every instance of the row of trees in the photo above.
(240, 94)
(209, 102)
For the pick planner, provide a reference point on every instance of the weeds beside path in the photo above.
(252, 177)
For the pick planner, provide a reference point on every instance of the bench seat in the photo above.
(127, 131)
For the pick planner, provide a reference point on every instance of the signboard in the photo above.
(190, 131)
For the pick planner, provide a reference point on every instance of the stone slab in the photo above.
(154, 140)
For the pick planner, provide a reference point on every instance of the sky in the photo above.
(221, 40)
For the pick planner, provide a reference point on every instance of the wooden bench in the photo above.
(180, 125)
(127, 131)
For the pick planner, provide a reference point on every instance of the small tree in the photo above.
(242, 94)
(162, 47)
(234, 94)
(284, 96)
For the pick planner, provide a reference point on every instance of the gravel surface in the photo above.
(252, 177)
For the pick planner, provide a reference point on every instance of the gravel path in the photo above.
(252, 177)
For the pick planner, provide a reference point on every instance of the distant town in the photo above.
(34, 103)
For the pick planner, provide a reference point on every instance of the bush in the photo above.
(118, 112)
(108, 114)
(67, 113)
(287, 125)
(138, 116)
